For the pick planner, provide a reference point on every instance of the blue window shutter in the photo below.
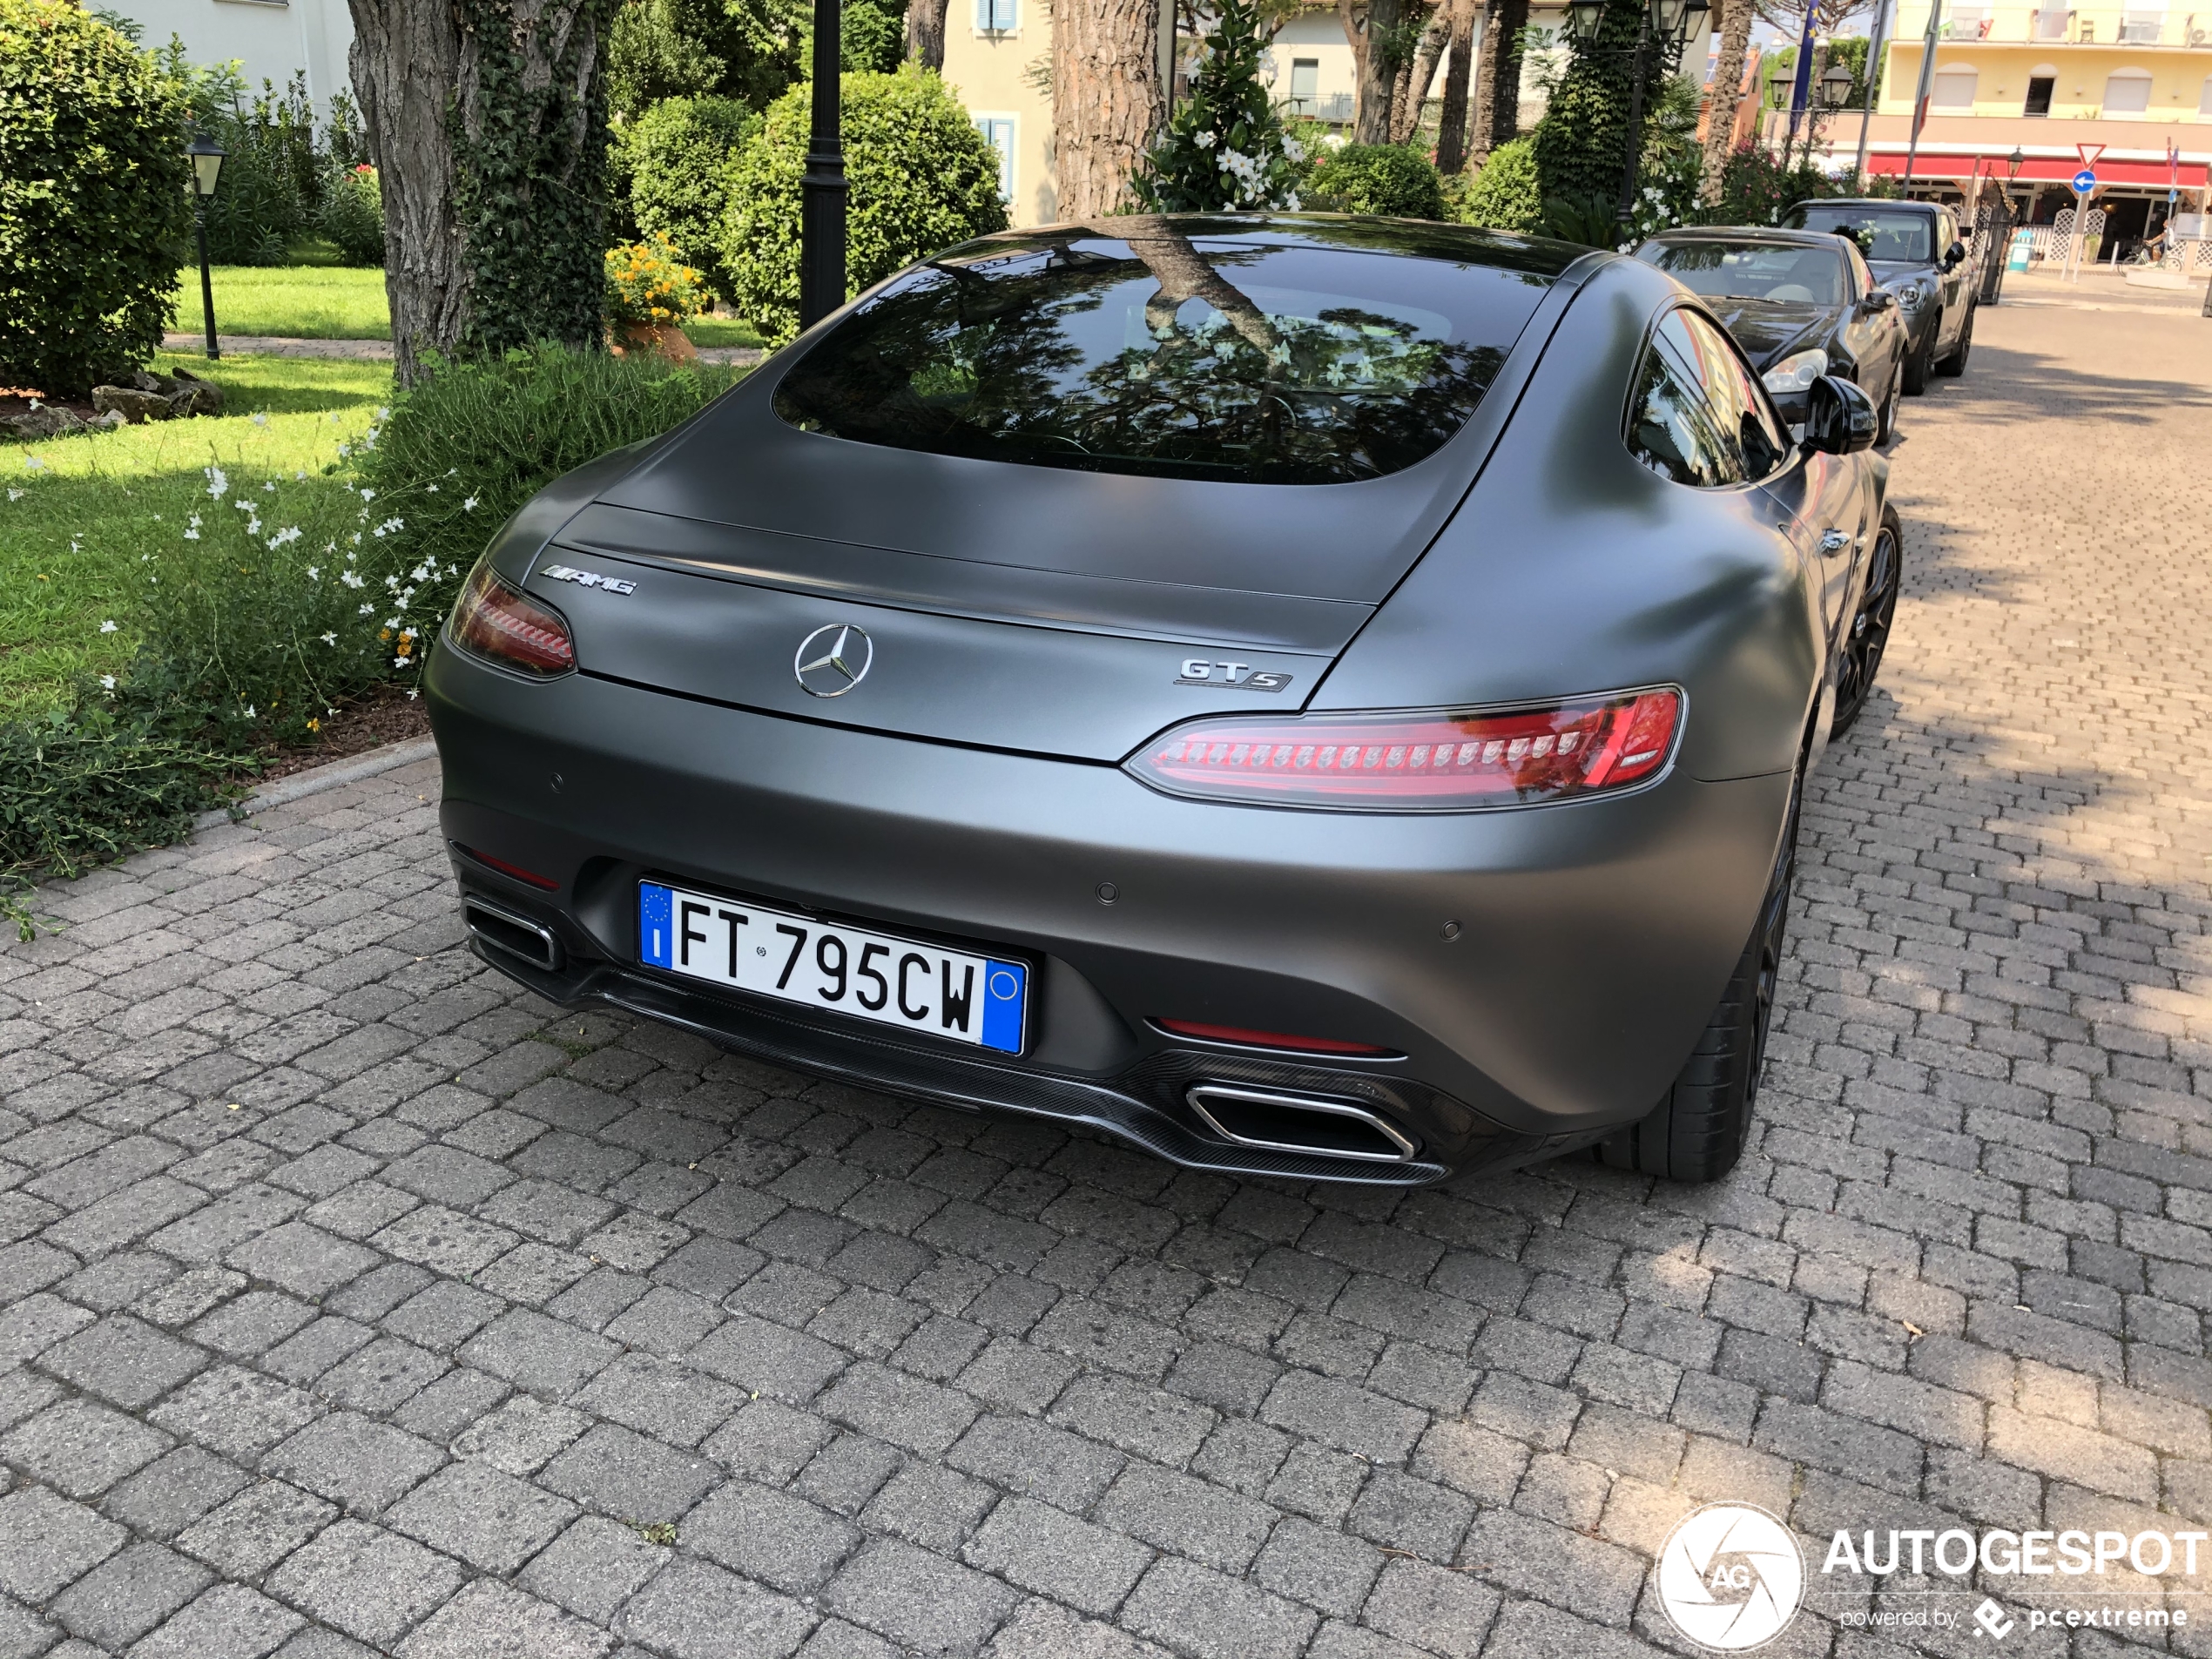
(985, 18)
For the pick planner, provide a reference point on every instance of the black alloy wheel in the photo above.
(1955, 364)
(1869, 634)
(1919, 365)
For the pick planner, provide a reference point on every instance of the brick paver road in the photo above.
(355, 1301)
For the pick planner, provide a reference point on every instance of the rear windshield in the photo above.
(1169, 356)
(1804, 276)
(1907, 237)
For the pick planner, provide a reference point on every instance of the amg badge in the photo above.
(1231, 676)
(587, 579)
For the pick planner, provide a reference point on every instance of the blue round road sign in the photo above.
(2084, 182)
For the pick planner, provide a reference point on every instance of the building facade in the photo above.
(2134, 78)
(274, 39)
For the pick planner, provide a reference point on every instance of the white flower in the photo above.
(330, 640)
(302, 476)
(315, 573)
(15, 494)
(344, 449)
(270, 488)
(192, 535)
(107, 627)
(467, 504)
(411, 694)
(368, 610)
(351, 580)
(107, 682)
(433, 488)
(401, 662)
(289, 533)
(260, 419)
(249, 711)
(1294, 149)
(33, 463)
(383, 415)
(215, 482)
(368, 494)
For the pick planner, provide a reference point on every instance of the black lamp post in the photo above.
(206, 170)
(1663, 22)
(822, 191)
(1835, 87)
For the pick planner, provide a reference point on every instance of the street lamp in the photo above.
(206, 158)
(1835, 87)
(2013, 164)
(822, 189)
(1662, 21)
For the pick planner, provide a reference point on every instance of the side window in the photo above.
(1865, 285)
(1694, 414)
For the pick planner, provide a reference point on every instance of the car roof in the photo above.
(1746, 233)
(1535, 256)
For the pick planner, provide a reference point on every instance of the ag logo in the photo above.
(1730, 1576)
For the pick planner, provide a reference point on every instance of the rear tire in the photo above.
(1955, 365)
(1887, 435)
(1697, 1132)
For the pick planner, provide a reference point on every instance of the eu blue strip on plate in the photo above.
(1004, 985)
(656, 945)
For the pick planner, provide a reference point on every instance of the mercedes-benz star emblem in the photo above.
(833, 660)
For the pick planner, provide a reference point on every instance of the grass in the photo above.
(72, 528)
(330, 301)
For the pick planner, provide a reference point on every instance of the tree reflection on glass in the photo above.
(1127, 348)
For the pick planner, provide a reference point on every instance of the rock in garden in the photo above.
(132, 404)
(192, 395)
(40, 420)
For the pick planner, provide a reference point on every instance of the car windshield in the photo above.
(1804, 276)
(1157, 353)
(1904, 237)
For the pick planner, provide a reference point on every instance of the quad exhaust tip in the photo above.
(515, 934)
(1280, 1123)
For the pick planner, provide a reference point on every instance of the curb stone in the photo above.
(316, 779)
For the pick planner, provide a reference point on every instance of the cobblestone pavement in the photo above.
(356, 1302)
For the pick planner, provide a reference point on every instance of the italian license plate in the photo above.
(982, 1000)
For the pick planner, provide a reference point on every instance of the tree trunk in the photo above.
(1420, 74)
(405, 60)
(487, 122)
(1452, 133)
(1107, 100)
(1724, 92)
(925, 33)
(1497, 77)
(1374, 75)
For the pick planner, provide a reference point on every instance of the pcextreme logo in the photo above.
(1731, 1577)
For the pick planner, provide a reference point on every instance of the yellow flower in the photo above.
(315, 725)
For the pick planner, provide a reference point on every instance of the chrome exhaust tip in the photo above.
(1280, 1123)
(515, 934)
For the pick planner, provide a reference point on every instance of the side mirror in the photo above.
(1955, 257)
(1880, 299)
(1840, 419)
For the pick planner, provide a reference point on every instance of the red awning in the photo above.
(1951, 164)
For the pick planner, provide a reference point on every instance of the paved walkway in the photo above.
(357, 1302)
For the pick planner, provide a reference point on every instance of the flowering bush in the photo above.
(648, 284)
(352, 214)
(1225, 148)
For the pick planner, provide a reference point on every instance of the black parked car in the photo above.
(1802, 304)
(1915, 252)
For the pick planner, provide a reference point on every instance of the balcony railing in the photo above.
(1336, 107)
(2082, 25)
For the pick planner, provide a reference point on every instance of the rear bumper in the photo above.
(1593, 940)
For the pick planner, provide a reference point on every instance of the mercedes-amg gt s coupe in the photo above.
(1322, 698)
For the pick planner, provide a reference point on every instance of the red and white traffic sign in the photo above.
(2089, 154)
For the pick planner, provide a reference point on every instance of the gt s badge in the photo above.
(587, 579)
(1231, 676)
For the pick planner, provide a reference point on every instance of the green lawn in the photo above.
(76, 513)
(339, 302)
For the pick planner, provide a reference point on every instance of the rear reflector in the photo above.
(544, 882)
(494, 621)
(1267, 1039)
(1420, 762)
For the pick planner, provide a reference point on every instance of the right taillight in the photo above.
(1402, 763)
(502, 624)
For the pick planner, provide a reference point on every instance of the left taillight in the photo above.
(1411, 763)
(503, 626)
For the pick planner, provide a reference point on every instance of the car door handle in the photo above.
(1833, 541)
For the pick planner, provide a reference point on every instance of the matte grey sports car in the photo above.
(1324, 697)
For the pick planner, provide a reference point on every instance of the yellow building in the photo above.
(2134, 78)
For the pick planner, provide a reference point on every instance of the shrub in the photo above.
(1376, 178)
(1225, 148)
(677, 157)
(874, 37)
(1504, 194)
(352, 214)
(94, 220)
(923, 179)
(1756, 189)
(649, 286)
(462, 451)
